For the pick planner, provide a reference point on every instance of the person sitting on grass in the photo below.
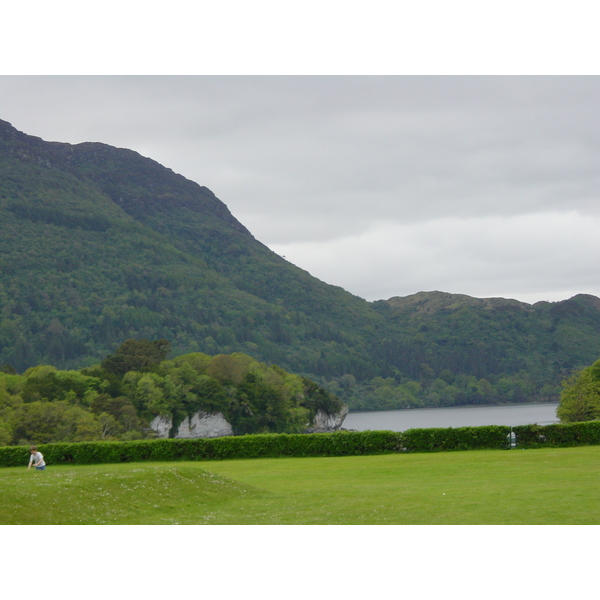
(37, 459)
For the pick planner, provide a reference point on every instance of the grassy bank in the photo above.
(543, 486)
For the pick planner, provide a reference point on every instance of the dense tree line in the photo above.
(117, 399)
(438, 390)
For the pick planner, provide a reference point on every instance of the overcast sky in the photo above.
(384, 185)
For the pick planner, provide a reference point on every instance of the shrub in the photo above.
(14, 456)
(339, 443)
(558, 434)
(248, 446)
(461, 438)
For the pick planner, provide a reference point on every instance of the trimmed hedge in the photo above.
(14, 456)
(491, 437)
(339, 443)
(342, 443)
(586, 433)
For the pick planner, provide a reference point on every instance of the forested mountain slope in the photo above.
(99, 245)
(490, 335)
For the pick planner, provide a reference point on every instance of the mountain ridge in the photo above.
(434, 301)
(100, 163)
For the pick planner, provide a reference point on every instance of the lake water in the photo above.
(454, 416)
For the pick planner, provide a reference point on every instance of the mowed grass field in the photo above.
(521, 487)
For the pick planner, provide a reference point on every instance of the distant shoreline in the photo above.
(509, 404)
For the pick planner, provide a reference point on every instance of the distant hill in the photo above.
(100, 244)
(484, 336)
(432, 302)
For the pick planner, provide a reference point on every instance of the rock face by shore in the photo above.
(211, 425)
(324, 422)
(204, 425)
(201, 425)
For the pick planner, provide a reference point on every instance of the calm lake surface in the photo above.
(454, 416)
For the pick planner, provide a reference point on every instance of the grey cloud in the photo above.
(528, 257)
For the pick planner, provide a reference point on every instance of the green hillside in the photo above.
(99, 245)
(490, 335)
(454, 349)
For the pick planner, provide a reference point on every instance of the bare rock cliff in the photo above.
(211, 425)
(324, 422)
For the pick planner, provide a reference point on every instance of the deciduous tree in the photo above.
(580, 397)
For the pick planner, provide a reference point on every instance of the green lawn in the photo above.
(544, 486)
